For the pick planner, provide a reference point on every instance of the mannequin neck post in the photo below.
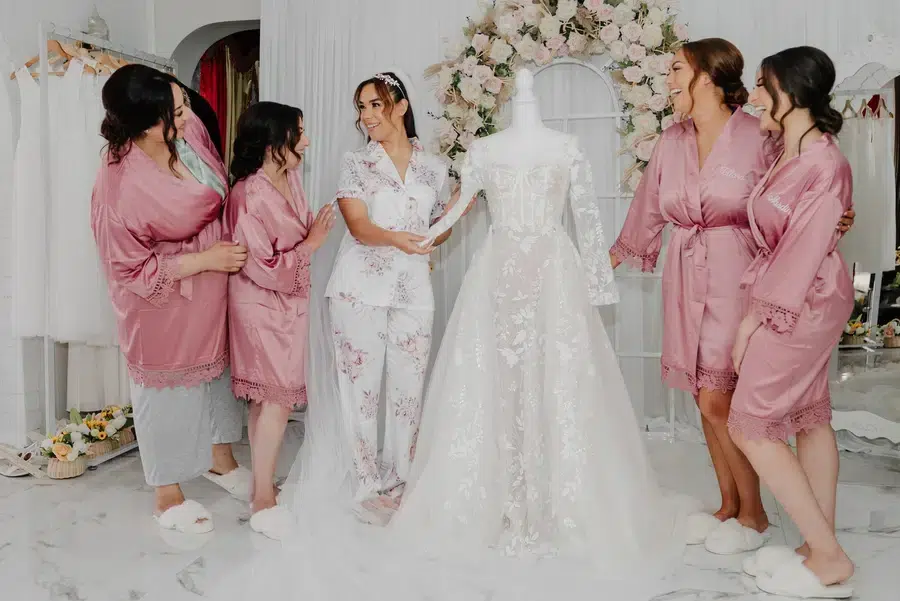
(525, 114)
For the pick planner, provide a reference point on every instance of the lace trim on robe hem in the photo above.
(301, 273)
(258, 392)
(187, 377)
(626, 254)
(724, 380)
(774, 317)
(755, 428)
(165, 280)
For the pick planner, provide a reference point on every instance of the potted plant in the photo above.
(890, 334)
(855, 332)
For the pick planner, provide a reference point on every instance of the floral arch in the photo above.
(640, 37)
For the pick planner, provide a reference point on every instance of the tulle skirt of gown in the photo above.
(531, 480)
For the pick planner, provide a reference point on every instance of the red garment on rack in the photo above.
(212, 83)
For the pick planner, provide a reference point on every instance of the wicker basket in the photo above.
(127, 436)
(892, 342)
(100, 448)
(853, 340)
(62, 470)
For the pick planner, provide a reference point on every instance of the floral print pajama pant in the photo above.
(375, 346)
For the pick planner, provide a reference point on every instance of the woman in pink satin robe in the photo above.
(155, 214)
(268, 300)
(698, 179)
(801, 295)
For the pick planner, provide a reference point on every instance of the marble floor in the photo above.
(92, 539)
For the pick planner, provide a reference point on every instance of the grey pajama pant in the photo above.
(176, 428)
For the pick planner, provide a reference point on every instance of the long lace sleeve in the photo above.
(589, 226)
(471, 184)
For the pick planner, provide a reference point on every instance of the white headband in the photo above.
(390, 81)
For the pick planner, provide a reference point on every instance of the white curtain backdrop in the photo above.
(314, 54)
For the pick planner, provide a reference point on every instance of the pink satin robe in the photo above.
(268, 300)
(709, 248)
(171, 332)
(801, 289)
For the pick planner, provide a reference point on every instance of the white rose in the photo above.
(83, 429)
(470, 89)
(566, 9)
(527, 48)
(480, 42)
(636, 52)
(533, 14)
(609, 33)
(550, 26)
(95, 433)
(466, 138)
(605, 12)
(474, 122)
(618, 51)
(633, 74)
(645, 122)
(631, 32)
(71, 428)
(635, 180)
(81, 448)
(577, 42)
(652, 36)
(596, 47)
(488, 102)
(46, 444)
(639, 95)
(658, 103)
(110, 430)
(681, 31)
(655, 16)
(659, 85)
(595, 6)
(482, 73)
(667, 121)
(500, 51)
(71, 457)
(468, 66)
(509, 23)
(76, 436)
(623, 14)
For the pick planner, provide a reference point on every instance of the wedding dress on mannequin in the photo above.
(531, 480)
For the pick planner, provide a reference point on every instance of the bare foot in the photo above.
(832, 569)
(726, 512)
(758, 522)
(803, 550)
(223, 459)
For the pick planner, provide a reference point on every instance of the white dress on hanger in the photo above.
(868, 143)
(80, 310)
(29, 210)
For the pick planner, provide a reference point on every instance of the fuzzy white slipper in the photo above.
(276, 522)
(190, 518)
(237, 482)
(732, 538)
(699, 526)
(768, 559)
(794, 579)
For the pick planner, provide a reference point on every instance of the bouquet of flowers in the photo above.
(855, 332)
(68, 444)
(890, 334)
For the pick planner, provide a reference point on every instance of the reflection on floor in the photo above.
(92, 538)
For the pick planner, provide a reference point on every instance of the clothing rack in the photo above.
(48, 31)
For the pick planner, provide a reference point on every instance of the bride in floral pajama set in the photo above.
(380, 298)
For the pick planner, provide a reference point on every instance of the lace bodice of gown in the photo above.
(532, 200)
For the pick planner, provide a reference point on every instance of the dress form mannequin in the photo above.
(526, 142)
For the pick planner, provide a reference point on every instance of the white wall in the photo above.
(764, 27)
(176, 19)
(21, 379)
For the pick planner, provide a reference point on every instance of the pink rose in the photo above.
(594, 5)
(556, 42)
(543, 55)
(636, 52)
(605, 12)
(480, 42)
(658, 103)
(609, 34)
(644, 150)
(668, 121)
(563, 50)
(681, 31)
(632, 31)
(493, 85)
